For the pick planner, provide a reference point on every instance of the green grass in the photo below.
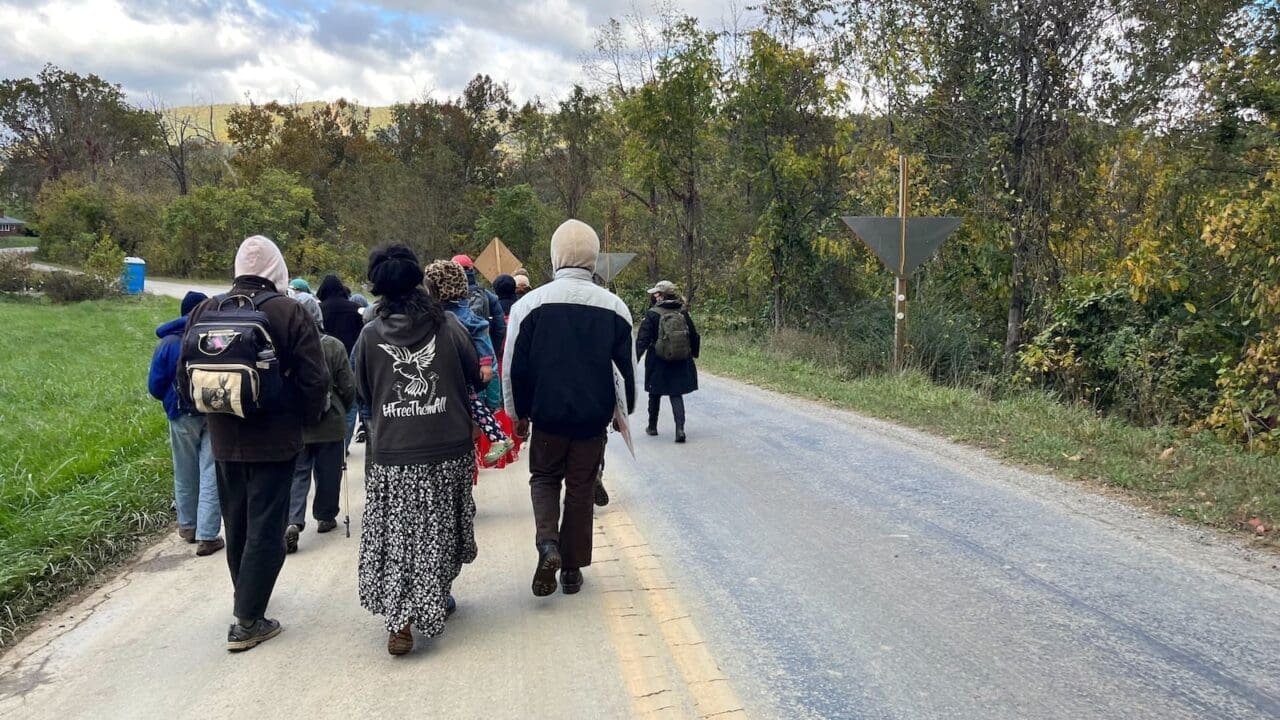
(18, 241)
(1201, 479)
(84, 461)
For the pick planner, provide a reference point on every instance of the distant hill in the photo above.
(379, 117)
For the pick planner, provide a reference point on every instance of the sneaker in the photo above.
(544, 577)
(601, 495)
(241, 638)
(450, 607)
(187, 534)
(209, 547)
(651, 430)
(291, 534)
(325, 526)
(361, 434)
(498, 450)
(571, 581)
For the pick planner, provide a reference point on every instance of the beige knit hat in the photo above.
(574, 245)
(260, 257)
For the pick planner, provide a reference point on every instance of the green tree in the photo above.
(61, 122)
(784, 135)
(670, 122)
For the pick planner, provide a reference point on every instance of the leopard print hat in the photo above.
(449, 280)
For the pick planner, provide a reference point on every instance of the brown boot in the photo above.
(209, 547)
(400, 643)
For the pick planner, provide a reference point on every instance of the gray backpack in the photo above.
(673, 344)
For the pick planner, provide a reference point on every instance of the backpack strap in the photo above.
(262, 297)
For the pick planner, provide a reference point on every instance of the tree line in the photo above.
(1115, 163)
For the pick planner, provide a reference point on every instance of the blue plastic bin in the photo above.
(135, 275)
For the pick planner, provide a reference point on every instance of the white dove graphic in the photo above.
(412, 366)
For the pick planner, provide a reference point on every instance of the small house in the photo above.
(10, 226)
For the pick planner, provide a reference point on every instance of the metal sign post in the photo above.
(902, 244)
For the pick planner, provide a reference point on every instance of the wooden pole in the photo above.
(900, 281)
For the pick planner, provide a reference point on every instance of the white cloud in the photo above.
(377, 52)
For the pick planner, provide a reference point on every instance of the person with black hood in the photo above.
(344, 320)
(414, 365)
(504, 286)
(341, 315)
(255, 455)
(668, 342)
(195, 481)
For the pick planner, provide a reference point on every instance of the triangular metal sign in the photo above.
(608, 265)
(883, 235)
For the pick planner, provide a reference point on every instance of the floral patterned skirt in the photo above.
(418, 531)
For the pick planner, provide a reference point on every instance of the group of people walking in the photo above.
(263, 389)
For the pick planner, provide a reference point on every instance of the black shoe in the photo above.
(240, 638)
(544, 578)
(361, 434)
(187, 534)
(680, 435)
(571, 581)
(450, 607)
(291, 534)
(651, 430)
(326, 525)
(601, 495)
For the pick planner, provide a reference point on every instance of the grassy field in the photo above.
(84, 461)
(379, 117)
(1192, 476)
(18, 241)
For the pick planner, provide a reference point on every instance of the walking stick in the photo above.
(346, 489)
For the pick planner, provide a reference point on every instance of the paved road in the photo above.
(791, 561)
(158, 286)
(847, 568)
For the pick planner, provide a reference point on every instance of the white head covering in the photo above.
(574, 245)
(260, 257)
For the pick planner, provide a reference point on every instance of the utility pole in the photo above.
(902, 244)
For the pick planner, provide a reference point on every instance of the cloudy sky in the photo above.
(375, 51)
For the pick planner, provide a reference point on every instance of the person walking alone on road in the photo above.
(256, 454)
(415, 367)
(195, 480)
(564, 341)
(323, 447)
(668, 342)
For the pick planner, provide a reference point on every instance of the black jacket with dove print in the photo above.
(416, 385)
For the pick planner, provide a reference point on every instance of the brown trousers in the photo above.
(554, 459)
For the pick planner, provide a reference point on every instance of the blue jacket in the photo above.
(164, 366)
(476, 326)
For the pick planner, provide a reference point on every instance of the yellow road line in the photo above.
(652, 630)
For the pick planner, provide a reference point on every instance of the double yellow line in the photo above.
(666, 665)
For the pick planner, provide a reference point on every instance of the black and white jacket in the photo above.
(564, 340)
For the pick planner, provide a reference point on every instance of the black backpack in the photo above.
(229, 364)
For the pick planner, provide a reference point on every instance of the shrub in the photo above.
(67, 287)
(16, 273)
(106, 260)
(1248, 409)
